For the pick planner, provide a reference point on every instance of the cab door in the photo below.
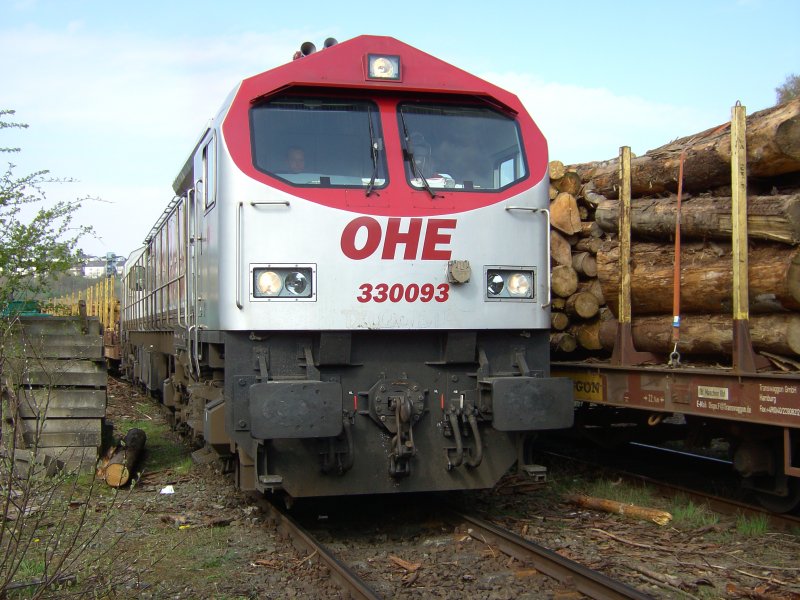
(204, 233)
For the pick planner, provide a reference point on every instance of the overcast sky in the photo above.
(116, 94)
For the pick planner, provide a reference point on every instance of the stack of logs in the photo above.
(585, 252)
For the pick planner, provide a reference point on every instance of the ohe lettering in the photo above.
(363, 236)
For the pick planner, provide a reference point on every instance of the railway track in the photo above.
(718, 503)
(487, 557)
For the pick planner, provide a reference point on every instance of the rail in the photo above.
(593, 584)
(347, 578)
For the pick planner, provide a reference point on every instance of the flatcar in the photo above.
(349, 292)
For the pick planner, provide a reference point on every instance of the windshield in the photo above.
(319, 142)
(460, 147)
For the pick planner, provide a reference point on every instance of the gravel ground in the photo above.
(207, 540)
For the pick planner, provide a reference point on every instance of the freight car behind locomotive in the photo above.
(349, 292)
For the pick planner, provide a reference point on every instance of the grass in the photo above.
(688, 515)
(621, 492)
(754, 526)
(161, 452)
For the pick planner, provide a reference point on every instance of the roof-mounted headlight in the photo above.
(383, 66)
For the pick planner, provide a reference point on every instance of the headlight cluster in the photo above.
(510, 283)
(273, 281)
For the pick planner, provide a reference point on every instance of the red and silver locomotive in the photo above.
(349, 292)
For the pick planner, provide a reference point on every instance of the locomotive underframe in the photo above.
(372, 412)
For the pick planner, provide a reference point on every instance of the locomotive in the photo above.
(349, 292)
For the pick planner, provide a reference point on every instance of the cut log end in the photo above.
(117, 475)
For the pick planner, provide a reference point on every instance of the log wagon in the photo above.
(696, 334)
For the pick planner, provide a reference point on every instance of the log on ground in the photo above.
(706, 277)
(118, 468)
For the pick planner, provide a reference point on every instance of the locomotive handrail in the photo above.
(186, 264)
(283, 202)
(196, 261)
(239, 226)
(547, 270)
(182, 263)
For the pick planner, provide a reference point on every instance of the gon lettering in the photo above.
(363, 236)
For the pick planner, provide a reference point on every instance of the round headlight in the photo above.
(519, 285)
(494, 284)
(268, 283)
(296, 283)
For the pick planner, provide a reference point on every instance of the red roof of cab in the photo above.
(344, 66)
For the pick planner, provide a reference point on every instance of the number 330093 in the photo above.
(397, 292)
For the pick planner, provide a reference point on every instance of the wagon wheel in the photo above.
(529, 448)
(781, 504)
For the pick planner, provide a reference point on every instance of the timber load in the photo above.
(586, 278)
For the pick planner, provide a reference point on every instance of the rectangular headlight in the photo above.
(283, 282)
(509, 283)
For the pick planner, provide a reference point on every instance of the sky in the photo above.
(115, 94)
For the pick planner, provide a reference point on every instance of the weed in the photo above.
(688, 515)
(621, 492)
(754, 526)
(161, 453)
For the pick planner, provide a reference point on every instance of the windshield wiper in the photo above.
(408, 154)
(373, 152)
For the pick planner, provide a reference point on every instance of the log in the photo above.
(619, 508)
(570, 183)
(584, 264)
(556, 170)
(591, 229)
(706, 277)
(709, 334)
(593, 287)
(564, 214)
(775, 218)
(563, 281)
(590, 195)
(588, 334)
(559, 321)
(119, 468)
(560, 249)
(589, 244)
(583, 305)
(563, 342)
(773, 148)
